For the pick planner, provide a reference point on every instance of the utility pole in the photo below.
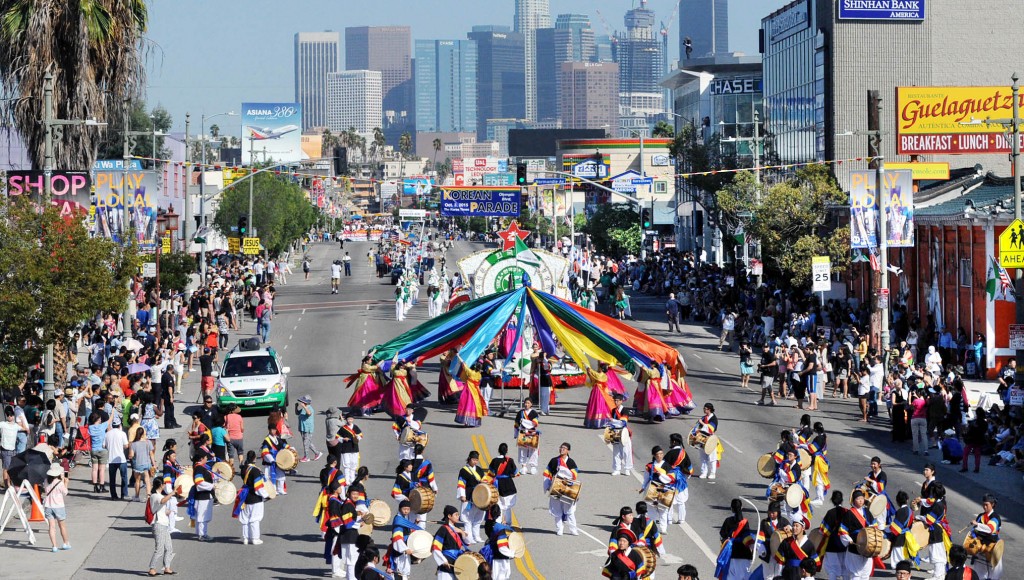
(252, 171)
(188, 220)
(129, 310)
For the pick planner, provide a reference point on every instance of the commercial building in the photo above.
(638, 52)
(547, 74)
(354, 100)
(706, 24)
(386, 49)
(574, 38)
(531, 15)
(501, 90)
(588, 95)
(446, 85)
(316, 55)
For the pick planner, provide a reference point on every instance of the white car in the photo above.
(252, 379)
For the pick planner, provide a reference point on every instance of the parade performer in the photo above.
(773, 521)
(647, 399)
(540, 371)
(986, 529)
(448, 387)
(366, 565)
(625, 563)
(527, 421)
(788, 474)
(622, 450)
(249, 503)
(737, 540)
(470, 476)
(793, 550)
(201, 498)
(362, 502)
(600, 404)
(708, 425)
(565, 468)
(399, 555)
(272, 444)
(802, 436)
(171, 470)
(497, 551)
(876, 481)
(899, 528)
(405, 481)
(406, 450)
(449, 544)
(328, 475)
(615, 382)
(958, 568)
(834, 563)
(423, 470)
(676, 392)
(934, 516)
(646, 530)
(350, 435)
(678, 466)
(817, 446)
(369, 390)
(656, 474)
(502, 471)
(472, 408)
(342, 533)
(418, 390)
(857, 518)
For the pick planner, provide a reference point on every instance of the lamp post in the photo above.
(166, 224)
(757, 142)
(51, 126)
(202, 189)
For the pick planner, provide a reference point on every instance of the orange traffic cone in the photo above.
(36, 515)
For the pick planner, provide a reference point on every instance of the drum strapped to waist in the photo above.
(777, 492)
(411, 438)
(224, 492)
(697, 439)
(612, 436)
(528, 439)
(517, 544)
(184, 482)
(565, 490)
(381, 512)
(420, 542)
(795, 496)
(484, 496)
(766, 466)
(650, 560)
(286, 459)
(993, 552)
(662, 495)
(805, 459)
(467, 566)
(421, 500)
(869, 542)
(778, 536)
(920, 533)
(223, 469)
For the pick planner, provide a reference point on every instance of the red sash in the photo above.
(739, 527)
(455, 536)
(626, 561)
(350, 432)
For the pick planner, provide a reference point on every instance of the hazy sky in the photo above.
(211, 55)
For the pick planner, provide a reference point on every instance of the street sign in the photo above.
(416, 214)
(166, 245)
(549, 181)
(821, 274)
(149, 269)
(251, 246)
(1017, 337)
(234, 245)
(1011, 245)
(883, 298)
(643, 181)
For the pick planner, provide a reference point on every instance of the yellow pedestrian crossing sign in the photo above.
(1011, 245)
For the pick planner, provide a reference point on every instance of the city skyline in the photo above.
(182, 77)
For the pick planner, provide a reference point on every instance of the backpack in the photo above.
(150, 516)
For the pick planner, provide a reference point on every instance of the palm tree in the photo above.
(214, 130)
(328, 141)
(663, 129)
(437, 149)
(92, 49)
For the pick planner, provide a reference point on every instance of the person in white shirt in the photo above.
(116, 443)
(335, 276)
(159, 505)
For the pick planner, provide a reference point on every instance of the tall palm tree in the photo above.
(93, 49)
(328, 141)
(437, 149)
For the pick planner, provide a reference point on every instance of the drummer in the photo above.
(876, 481)
(342, 532)
(350, 436)
(498, 542)
(678, 467)
(646, 530)
(201, 508)
(857, 518)
(708, 426)
(934, 517)
(656, 474)
(405, 482)
(272, 445)
(958, 568)
(249, 510)
(736, 531)
(772, 522)
(527, 421)
(422, 469)
(449, 544)
(406, 451)
(622, 450)
(794, 549)
(986, 528)
(469, 477)
(565, 468)
(817, 446)
(625, 563)
(834, 563)
(399, 552)
(328, 475)
(899, 527)
(502, 469)
(926, 486)
(623, 522)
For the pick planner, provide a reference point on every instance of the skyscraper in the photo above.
(531, 15)
(385, 49)
(588, 95)
(638, 51)
(574, 38)
(316, 55)
(706, 23)
(445, 77)
(500, 77)
(547, 74)
(354, 100)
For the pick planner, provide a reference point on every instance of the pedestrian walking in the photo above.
(305, 267)
(347, 261)
(160, 508)
(54, 509)
(307, 420)
(672, 309)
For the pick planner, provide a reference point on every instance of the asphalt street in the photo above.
(322, 338)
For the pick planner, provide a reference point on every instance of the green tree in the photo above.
(628, 239)
(699, 158)
(55, 276)
(663, 129)
(176, 270)
(608, 217)
(281, 212)
(93, 49)
(158, 119)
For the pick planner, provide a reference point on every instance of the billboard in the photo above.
(69, 190)
(142, 204)
(473, 169)
(898, 201)
(480, 201)
(881, 9)
(951, 120)
(417, 185)
(273, 130)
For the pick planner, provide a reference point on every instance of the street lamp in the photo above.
(166, 224)
(202, 188)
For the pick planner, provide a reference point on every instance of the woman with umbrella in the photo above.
(53, 505)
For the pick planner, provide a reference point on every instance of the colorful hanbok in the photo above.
(369, 392)
(472, 408)
(600, 405)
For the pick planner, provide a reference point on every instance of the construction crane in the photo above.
(607, 28)
(665, 26)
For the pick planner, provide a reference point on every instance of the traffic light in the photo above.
(645, 216)
(243, 226)
(520, 174)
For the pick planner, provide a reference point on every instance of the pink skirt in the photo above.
(419, 392)
(598, 414)
(679, 399)
(650, 403)
(615, 383)
(448, 387)
(472, 408)
(367, 397)
(396, 396)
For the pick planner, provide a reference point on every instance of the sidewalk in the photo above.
(91, 515)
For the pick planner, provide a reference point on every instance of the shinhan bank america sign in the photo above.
(881, 9)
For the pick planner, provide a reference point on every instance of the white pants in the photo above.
(473, 518)
(280, 478)
(708, 463)
(204, 513)
(772, 569)
(564, 513)
(501, 569)
(399, 310)
(622, 454)
(350, 464)
(505, 503)
(936, 555)
(858, 567)
(738, 569)
(987, 572)
(441, 575)
(544, 394)
(896, 557)
(678, 509)
(402, 563)
(662, 517)
(250, 517)
(486, 393)
(805, 479)
(835, 565)
(347, 558)
(819, 490)
(528, 459)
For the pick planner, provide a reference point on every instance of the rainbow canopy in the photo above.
(582, 333)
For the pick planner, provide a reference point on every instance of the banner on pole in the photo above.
(898, 201)
(480, 201)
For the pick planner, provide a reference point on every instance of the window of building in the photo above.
(660, 187)
(966, 273)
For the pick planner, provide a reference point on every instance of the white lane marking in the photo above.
(719, 370)
(290, 336)
(698, 356)
(734, 448)
(299, 320)
(364, 342)
(868, 457)
(296, 327)
(286, 347)
(699, 542)
(917, 483)
(303, 312)
(365, 323)
(367, 306)
(364, 332)
(584, 532)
